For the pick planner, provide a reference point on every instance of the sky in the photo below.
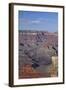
(38, 21)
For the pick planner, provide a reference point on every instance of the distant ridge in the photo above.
(32, 31)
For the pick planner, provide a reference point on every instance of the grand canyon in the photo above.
(38, 54)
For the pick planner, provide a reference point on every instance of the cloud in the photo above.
(40, 20)
(35, 21)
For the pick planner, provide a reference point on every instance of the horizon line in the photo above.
(37, 31)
